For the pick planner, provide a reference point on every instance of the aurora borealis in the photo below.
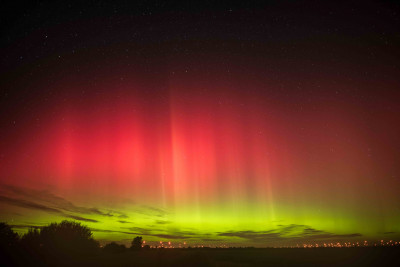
(259, 128)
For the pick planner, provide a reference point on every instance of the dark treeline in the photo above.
(47, 245)
(69, 243)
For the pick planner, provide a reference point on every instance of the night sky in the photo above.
(242, 125)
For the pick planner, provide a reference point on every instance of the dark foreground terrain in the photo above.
(384, 256)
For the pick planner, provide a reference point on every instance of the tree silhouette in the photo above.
(8, 244)
(67, 237)
(31, 241)
(137, 243)
(8, 238)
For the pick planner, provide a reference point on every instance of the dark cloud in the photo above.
(292, 229)
(35, 206)
(48, 202)
(57, 202)
(112, 231)
(142, 231)
(311, 231)
(28, 204)
(81, 218)
(285, 233)
(148, 232)
(151, 211)
(162, 222)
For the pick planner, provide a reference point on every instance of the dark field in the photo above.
(223, 257)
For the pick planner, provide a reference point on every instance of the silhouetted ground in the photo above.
(220, 257)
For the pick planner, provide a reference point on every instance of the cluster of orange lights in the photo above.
(382, 243)
(365, 243)
(168, 244)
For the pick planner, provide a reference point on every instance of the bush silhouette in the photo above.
(137, 243)
(8, 238)
(114, 248)
(67, 237)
